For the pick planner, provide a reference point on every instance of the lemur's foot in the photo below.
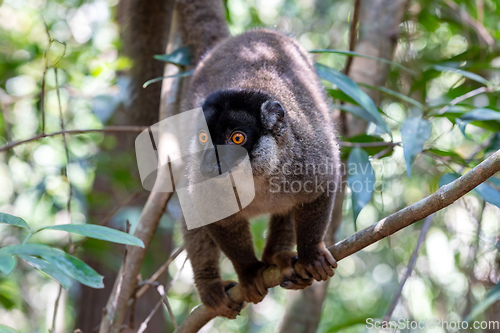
(317, 262)
(214, 297)
(252, 283)
(289, 278)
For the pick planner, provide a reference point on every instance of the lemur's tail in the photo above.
(203, 23)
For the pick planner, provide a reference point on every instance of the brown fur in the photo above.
(202, 22)
(269, 62)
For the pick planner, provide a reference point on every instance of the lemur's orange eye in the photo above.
(203, 137)
(238, 138)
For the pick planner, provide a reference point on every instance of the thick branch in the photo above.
(126, 282)
(445, 196)
(440, 199)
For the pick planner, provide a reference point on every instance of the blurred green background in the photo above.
(458, 264)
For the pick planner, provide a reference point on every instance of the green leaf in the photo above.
(469, 75)
(447, 153)
(492, 297)
(461, 125)
(98, 232)
(495, 181)
(448, 178)
(182, 74)
(486, 191)
(340, 95)
(356, 54)
(481, 114)
(361, 180)
(7, 264)
(6, 329)
(365, 138)
(49, 269)
(494, 145)
(350, 88)
(395, 94)
(489, 193)
(181, 57)
(414, 133)
(357, 111)
(13, 220)
(70, 265)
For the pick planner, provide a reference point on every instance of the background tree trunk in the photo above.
(189, 14)
(145, 28)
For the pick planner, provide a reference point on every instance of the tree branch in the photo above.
(125, 285)
(109, 129)
(440, 199)
(481, 31)
(409, 268)
(468, 95)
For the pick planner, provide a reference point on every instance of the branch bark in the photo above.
(440, 199)
(126, 282)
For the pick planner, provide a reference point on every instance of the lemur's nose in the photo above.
(209, 165)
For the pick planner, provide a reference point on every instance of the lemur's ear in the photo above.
(273, 116)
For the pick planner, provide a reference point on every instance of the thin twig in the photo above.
(159, 272)
(170, 312)
(144, 324)
(468, 95)
(66, 150)
(165, 298)
(42, 99)
(109, 129)
(163, 293)
(44, 76)
(353, 34)
(411, 264)
(481, 31)
(110, 215)
(56, 306)
(470, 269)
(480, 11)
(46, 68)
(478, 149)
(383, 152)
(170, 285)
(42, 107)
(368, 144)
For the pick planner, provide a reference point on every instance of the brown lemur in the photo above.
(259, 91)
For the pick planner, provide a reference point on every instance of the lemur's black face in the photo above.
(234, 119)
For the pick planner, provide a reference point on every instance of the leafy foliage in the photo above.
(57, 264)
(414, 133)
(350, 88)
(438, 116)
(361, 179)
